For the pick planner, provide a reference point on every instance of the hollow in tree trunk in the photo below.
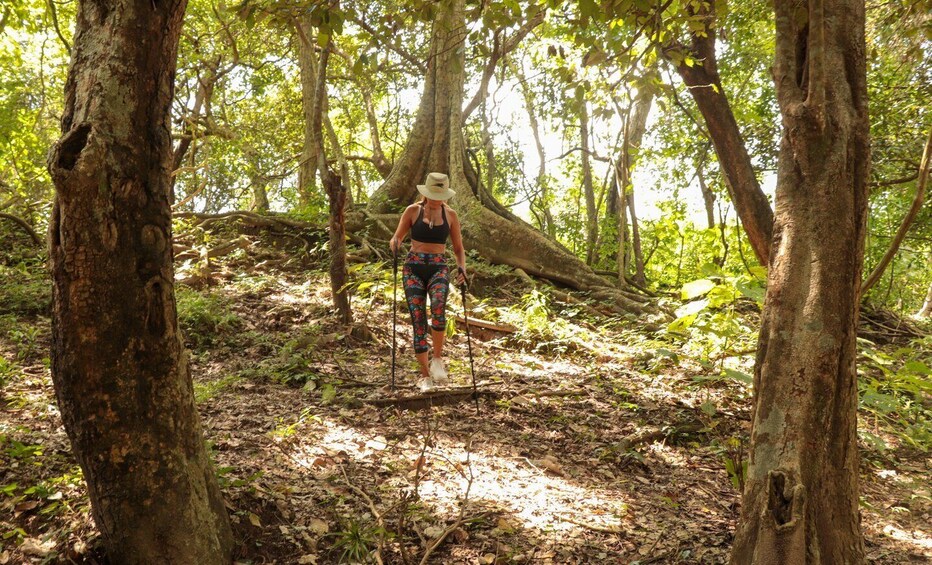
(120, 370)
(800, 504)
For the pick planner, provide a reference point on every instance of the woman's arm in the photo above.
(404, 226)
(456, 238)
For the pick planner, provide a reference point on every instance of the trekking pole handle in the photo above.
(465, 283)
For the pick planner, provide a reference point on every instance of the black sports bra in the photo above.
(423, 233)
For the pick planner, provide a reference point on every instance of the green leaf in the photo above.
(693, 289)
(327, 393)
(692, 308)
(738, 375)
(917, 368)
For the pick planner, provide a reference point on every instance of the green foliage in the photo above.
(204, 317)
(355, 541)
(291, 364)
(710, 322)
(8, 370)
(894, 388)
(25, 289)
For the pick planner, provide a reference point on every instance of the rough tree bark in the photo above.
(705, 86)
(436, 144)
(121, 374)
(800, 504)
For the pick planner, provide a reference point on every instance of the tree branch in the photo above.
(391, 45)
(907, 220)
(25, 226)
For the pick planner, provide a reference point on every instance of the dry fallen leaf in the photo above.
(255, 520)
(32, 546)
(318, 526)
(550, 463)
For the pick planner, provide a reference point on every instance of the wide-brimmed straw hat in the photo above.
(436, 187)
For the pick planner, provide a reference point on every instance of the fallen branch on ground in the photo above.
(506, 328)
(439, 397)
(455, 526)
(653, 433)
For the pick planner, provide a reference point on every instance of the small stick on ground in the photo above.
(453, 527)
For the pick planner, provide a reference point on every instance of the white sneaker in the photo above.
(425, 384)
(438, 372)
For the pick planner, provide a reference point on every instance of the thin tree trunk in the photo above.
(379, 160)
(260, 198)
(307, 64)
(635, 128)
(708, 197)
(907, 222)
(639, 276)
(491, 165)
(621, 225)
(800, 504)
(121, 374)
(705, 86)
(592, 213)
(547, 225)
(336, 194)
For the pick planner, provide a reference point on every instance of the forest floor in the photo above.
(596, 441)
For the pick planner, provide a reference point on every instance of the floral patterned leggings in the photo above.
(423, 274)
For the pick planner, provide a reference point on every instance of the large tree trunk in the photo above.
(428, 146)
(705, 86)
(121, 374)
(801, 500)
(437, 144)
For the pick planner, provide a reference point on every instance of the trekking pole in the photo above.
(472, 369)
(394, 310)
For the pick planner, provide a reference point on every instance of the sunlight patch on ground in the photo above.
(536, 498)
(917, 537)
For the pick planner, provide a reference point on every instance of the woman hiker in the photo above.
(425, 270)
